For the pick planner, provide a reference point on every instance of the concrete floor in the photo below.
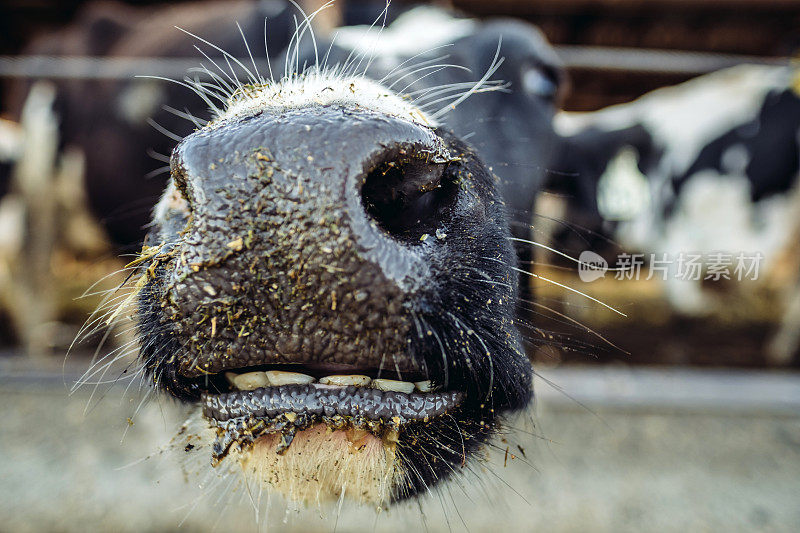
(637, 455)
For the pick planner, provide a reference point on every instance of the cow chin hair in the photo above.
(323, 466)
(324, 470)
(320, 467)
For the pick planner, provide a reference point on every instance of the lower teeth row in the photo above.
(276, 378)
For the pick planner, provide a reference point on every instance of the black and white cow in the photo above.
(707, 166)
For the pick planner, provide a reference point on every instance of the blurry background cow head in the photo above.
(707, 169)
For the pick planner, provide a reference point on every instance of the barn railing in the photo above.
(574, 57)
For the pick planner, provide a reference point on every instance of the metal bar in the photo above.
(574, 57)
(101, 68)
(727, 391)
(656, 61)
(526, 6)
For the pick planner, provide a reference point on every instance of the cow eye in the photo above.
(537, 83)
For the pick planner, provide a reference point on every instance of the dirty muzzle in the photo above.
(301, 242)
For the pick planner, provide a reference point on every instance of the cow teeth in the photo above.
(392, 385)
(423, 386)
(249, 380)
(277, 378)
(343, 381)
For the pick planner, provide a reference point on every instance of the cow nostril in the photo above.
(406, 196)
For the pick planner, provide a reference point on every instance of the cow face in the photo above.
(329, 280)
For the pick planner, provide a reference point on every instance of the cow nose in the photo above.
(375, 178)
(308, 227)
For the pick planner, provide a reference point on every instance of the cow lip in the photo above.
(329, 401)
(246, 403)
(319, 388)
(242, 417)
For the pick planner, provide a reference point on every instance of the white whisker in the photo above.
(495, 64)
(576, 291)
(228, 57)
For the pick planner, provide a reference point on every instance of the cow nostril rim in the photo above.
(180, 179)
(405, 196)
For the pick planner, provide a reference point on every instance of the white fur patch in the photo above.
(319, 88)
(623, 191)
(715, 212)
(683, 118)
(321, 466)
(171, 201)
(417, 31)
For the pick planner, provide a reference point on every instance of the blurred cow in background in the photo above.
(111, 121)
(709, 166)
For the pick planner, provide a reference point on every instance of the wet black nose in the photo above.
(304, 234)
(380, 179)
